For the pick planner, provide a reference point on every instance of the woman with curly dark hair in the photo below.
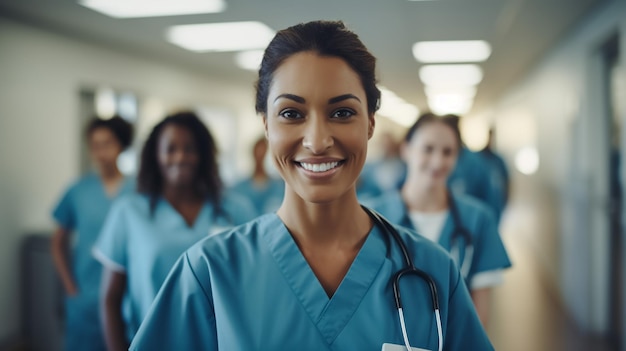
(81, 213)
(179, 201)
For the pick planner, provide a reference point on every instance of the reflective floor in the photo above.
(526, 316)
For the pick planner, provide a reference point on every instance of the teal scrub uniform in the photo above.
(252, 289)
(266, 198)
(471, 177)
(82, 210)
(499, 176)
(489, 251)
(144, 245)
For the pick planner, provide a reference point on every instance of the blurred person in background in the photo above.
(179, 201)
(80, 215)
(462, 225)
(386, 173)
(499, 176)
(265, 192)
(471, 175)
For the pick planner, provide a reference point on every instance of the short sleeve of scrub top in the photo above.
(238, 209)
(490, 256)
(251, 288)
(111, 246)
(64, 212)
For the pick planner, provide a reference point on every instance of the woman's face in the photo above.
(104, 148)
(431, 153)
(317, 125)
(177, 155)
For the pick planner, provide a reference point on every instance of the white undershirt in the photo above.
(429, 224)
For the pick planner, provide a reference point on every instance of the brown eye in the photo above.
(290, 114)
(343, 113)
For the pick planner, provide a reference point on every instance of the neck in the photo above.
(259, 175)
(340, 223)
(110, 174)
(181, 193)
(419, 197)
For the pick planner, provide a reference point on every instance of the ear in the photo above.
(370, 128)
(265, 125)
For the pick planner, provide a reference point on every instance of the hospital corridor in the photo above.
(312, 175)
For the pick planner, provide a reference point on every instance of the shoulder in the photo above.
(232, 245)
(423, 249)
(277, 182)
(129, 185)
(469, 205)
(83, 182)
(242, 184)
(237, 206)
(385, 201)
(471, 158)
(132, 201)
(231, 200)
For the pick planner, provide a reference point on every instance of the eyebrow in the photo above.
(342, 98)
(296, 98)
(302, 100)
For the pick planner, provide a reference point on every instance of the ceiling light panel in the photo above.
(396, 109)
(229, 36)
(249, 60)
(451, 75)
(467, 92)
(153, 8)
(451, 51)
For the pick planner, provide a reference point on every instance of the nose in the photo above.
(437, 160)
(179, 156)
(318, 136)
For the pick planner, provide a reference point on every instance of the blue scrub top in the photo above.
(266, 198)
(387, 173)
(145, 245)
(489, 251)
(82, 210)
(252, 289)
(499, 176)
(471, 177)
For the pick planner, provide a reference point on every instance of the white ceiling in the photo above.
(519, 31)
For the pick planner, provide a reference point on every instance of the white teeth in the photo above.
(319, 167)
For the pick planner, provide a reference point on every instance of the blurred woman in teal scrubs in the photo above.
(264, 191)
(426, 204)
(179, 201)
(316, 274)
(80, 215)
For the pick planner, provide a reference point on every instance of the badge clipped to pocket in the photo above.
(394, 347)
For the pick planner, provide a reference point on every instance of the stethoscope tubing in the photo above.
(409, 269)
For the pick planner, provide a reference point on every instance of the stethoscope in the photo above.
(410, 269)
(465, 262)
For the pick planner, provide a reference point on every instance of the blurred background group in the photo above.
(537, 89)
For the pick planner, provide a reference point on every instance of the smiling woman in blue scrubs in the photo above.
(81, 212)
(425, 204)
(179, 202)
(317, 274)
